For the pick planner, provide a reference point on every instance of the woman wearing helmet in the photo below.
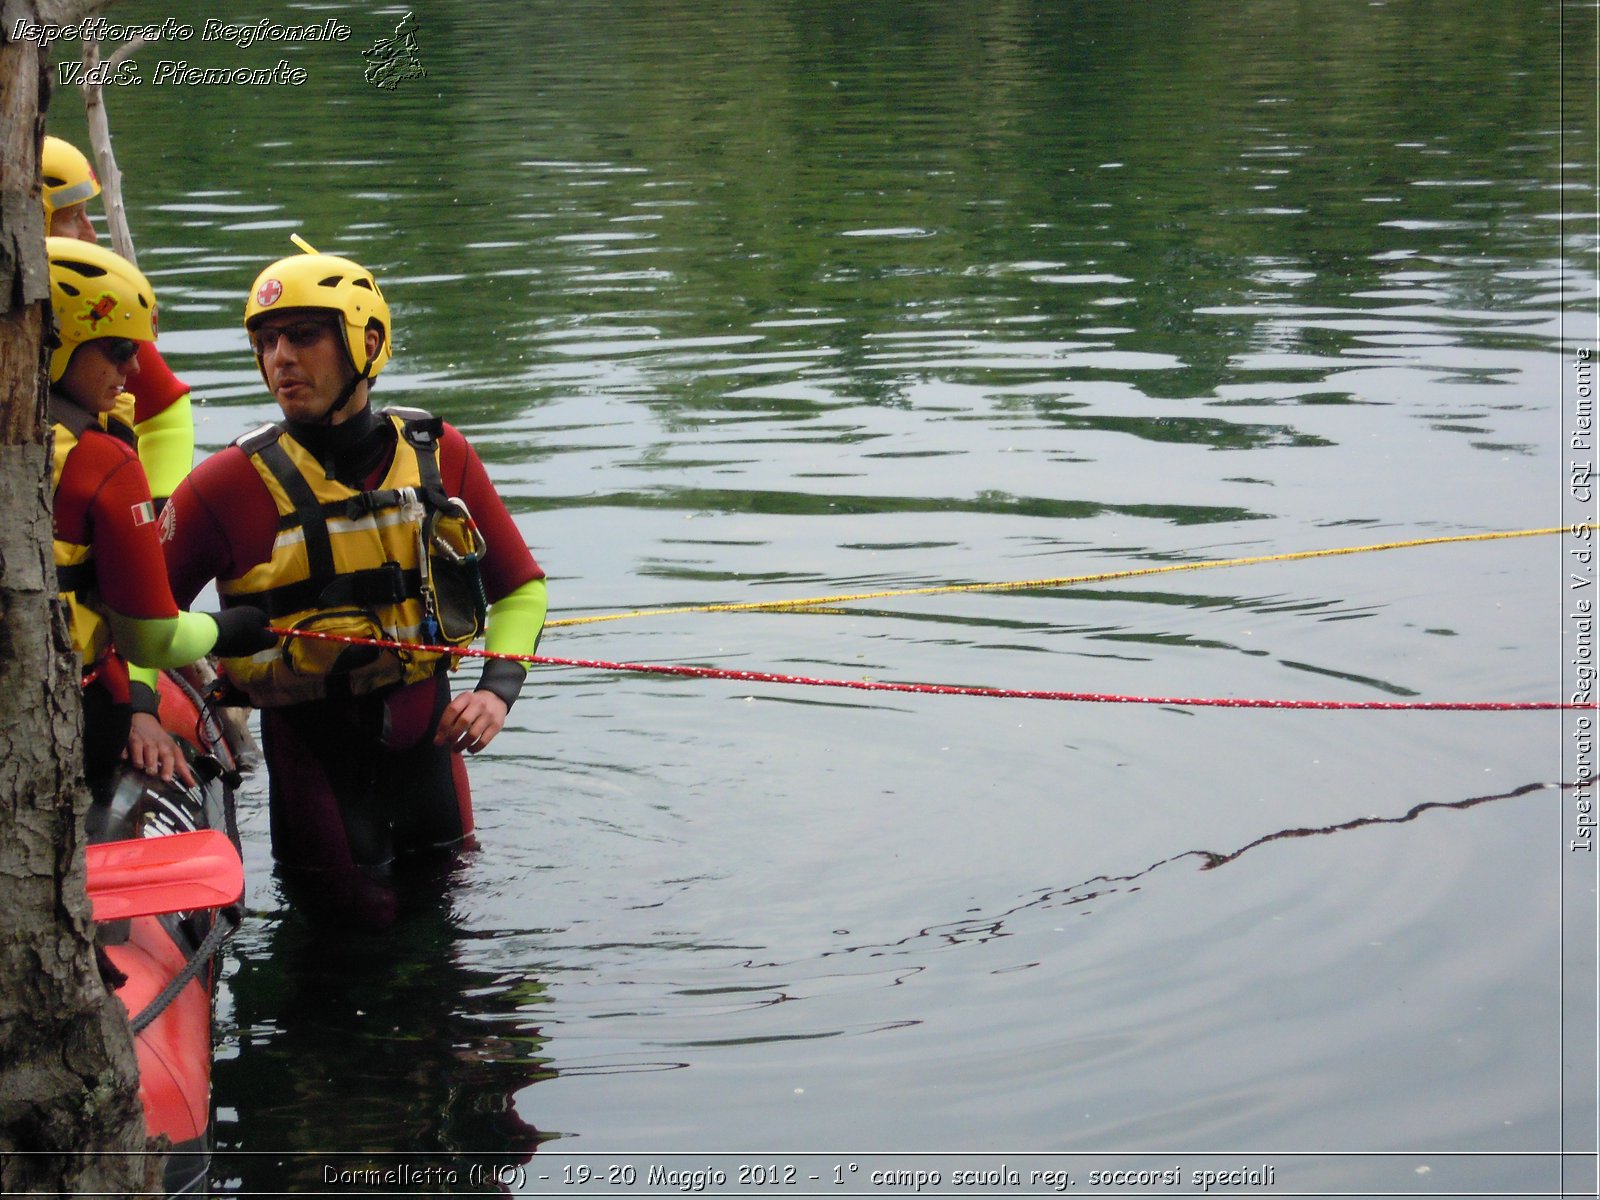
(155, 403)
(327, 520)
(109, 566)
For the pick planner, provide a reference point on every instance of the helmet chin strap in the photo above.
(349, 388)
(345, 393)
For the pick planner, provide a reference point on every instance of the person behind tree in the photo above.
(156, 403)
(356, 522)
(109, 567)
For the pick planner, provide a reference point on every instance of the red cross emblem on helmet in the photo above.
(267, 294)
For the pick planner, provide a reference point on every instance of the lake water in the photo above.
(763, 299)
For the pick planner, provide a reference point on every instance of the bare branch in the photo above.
(105, 158)
(123, 51)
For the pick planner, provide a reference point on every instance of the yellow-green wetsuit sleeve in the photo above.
(144, 689)
(164, 641)
(513, 627)
(517, 619)
(166, 447)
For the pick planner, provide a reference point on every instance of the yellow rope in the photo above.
(1064, 581)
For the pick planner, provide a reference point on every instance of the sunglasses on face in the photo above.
(299, 334)
(119, 350)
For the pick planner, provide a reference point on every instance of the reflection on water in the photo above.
(983, 927)
(435, 1048)
(767, 298)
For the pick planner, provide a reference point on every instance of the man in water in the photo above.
(352, 522)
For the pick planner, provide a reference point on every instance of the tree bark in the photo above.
(70, 1119)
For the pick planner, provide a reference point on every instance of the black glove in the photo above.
(242, 631)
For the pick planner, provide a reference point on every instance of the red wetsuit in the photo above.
(155, 388)
(102, 501)
(354, 781)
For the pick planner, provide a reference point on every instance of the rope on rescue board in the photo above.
(934, 689)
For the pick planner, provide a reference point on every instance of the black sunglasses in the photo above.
(300, 334)
(119, 350)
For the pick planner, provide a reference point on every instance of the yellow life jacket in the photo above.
(348, 563)
(75, 569)
(122, 411)
(75, 578)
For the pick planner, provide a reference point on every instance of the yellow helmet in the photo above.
(68, 177)
(326, 281)
(95, 293)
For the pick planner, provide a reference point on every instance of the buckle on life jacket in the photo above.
(373, 587)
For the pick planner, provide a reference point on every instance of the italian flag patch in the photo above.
(144, 513)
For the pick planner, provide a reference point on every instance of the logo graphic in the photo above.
(390, 61)
(169, 523)
(268, 293)
(98, 310)
(143, 513)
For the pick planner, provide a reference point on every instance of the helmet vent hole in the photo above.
(330, 281)
(88, 270)
(366, 283)
(53, 181)
(68, 288)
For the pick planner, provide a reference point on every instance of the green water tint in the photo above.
(882, 191)
(748, 298)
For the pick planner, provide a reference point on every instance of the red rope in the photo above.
(940, 689)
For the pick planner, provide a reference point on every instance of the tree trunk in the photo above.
(70, 1119)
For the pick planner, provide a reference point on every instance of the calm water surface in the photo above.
(760, 300)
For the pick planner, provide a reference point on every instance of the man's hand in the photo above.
(152, 750)
(471, 721)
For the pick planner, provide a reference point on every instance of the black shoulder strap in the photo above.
(77, 578)
(263, 435)
(307, 508)
(122, 432)
(422, 431)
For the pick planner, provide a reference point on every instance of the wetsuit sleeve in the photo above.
(514, 625)
(219, 523)
(166, 447)
(121, 521)
(512, 580)
(144, 687)
(154, 387)
(169, 642)
(130, 571)
(516, 621)
(508, 564)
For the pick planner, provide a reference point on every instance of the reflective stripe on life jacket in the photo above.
(343, 561)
